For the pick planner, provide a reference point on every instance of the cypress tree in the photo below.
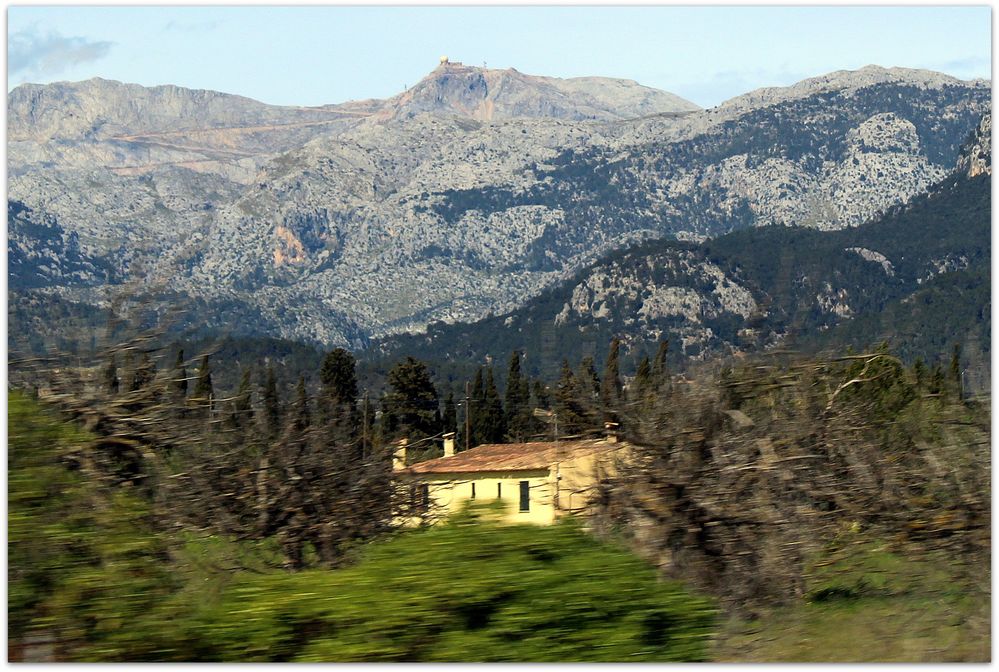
(243, 403)
(301, 418)
(660, 367)
(570, 416)
(450, 414)
(542, 397)
(919, 369)
(111, 383)
(589, 392)
(494, 425)
(611, 388)
(145, 372)
(477, 409)
(517, 401)
(180, 377)
(203, 390)
(643, 381)
(955, 367)
(272, 406)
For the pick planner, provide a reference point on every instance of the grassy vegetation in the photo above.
(873, 602)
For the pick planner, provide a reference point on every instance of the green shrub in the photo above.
(469, 590)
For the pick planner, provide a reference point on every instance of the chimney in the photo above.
(449, 444)
(610, 432)
(399, 455)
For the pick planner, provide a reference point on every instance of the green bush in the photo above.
(84, 566)
(470, 590)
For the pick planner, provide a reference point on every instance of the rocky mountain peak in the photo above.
(848, 80)
(488, 94)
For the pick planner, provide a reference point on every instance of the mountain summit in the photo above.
(486, 94)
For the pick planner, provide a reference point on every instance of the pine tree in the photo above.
(338, 376)
(611, 388)
(338, 404)
(412, 400)
(111, 383)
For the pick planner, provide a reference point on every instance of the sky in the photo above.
(315, 55)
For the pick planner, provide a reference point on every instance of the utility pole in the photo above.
(468, 417)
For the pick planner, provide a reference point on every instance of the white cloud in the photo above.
(33, 54)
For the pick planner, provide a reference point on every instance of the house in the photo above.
(537, 482)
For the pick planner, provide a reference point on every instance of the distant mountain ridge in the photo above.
(464, 196)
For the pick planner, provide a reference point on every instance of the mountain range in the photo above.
(467, 195)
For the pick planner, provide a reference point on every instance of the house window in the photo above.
(473, 490)
(499, 491)
(525, 496)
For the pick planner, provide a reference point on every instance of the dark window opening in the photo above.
(525, 496)
(473, 490)
(499, 491)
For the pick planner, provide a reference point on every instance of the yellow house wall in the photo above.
(551, 497)
(448, 494)
(581, 474)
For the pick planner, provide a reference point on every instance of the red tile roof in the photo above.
(507, 457)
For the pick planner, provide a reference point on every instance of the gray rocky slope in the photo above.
(464, 195)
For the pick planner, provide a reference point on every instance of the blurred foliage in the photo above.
(83, 564)
(469, 590)
(741, 477)
(873, 600)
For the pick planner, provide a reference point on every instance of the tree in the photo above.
(955, 369)
(588, 389)
(272, 406)
(243, 403)
(179, 381)
(570, 414)
(493, 425)
(660, 367)
(611, 389)
(517, 401)
(111, 383)
(412, 400)
(301, 418)
(204, 393)
(643, 384)
(338, 376)
(477, 409)
(145, 372)
(450, 414)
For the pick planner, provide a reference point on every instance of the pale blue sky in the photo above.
(314, 55)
